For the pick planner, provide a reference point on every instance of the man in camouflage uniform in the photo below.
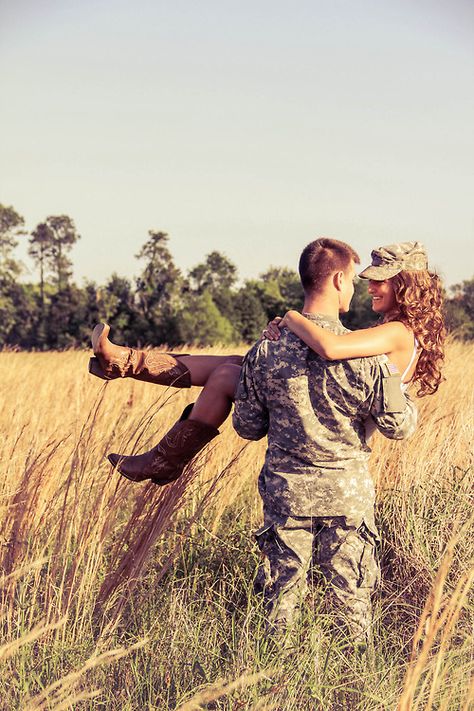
(318, 496)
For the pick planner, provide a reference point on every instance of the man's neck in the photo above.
(321, 304)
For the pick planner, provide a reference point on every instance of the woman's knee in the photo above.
(225, 378)
(235, 360)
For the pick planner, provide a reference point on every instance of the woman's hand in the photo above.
(290, 318)
(272, 331)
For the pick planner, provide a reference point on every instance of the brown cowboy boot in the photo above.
(153, 366)
(165, 462)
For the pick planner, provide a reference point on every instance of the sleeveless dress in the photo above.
(412, 360)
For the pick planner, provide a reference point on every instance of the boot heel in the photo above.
(95, 369)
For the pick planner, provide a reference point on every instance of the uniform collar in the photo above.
(315, 316)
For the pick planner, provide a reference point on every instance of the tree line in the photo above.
(162, 305)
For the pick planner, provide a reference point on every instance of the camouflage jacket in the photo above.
(314, 413)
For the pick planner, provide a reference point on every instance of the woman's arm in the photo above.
(367, 342)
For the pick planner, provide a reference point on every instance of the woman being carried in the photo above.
(411, 334)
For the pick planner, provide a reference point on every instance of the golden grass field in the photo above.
(128, 596)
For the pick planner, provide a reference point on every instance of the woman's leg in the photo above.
(196, 427)
(153, 366)
(215, 401)
(201, 367)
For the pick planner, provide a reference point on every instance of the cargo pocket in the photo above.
(260, 535)
(280, 560)
(265, 536)
(369, 569)
(262, 578)
(392, 395)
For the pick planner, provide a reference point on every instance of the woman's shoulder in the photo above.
(398, 330)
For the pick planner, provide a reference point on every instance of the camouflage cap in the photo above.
(394, 258)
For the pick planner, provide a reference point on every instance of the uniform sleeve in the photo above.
(397, 425)
(250, 417)
(394, 412)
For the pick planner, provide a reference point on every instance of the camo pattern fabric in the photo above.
(344, 555)
(314, 413)
(394, 258)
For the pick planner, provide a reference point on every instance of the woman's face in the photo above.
(383, 296)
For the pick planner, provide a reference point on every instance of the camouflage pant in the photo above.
(345, 555)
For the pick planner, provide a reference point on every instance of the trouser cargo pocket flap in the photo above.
(263, 534)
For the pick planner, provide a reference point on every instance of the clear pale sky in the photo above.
(245, 127)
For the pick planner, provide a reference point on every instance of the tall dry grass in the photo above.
(123, 596)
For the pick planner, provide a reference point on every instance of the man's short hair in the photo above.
(324, 257)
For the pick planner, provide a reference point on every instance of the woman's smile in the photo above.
(383, 297)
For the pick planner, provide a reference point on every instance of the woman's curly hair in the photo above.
(419, 300)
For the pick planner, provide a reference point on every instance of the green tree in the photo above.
(250, 317)
(71, 314)
(464, 293)
(159, 289)
(62, 235)
(360, 314)
(279, 290)
(11, 227)
(201, 322)
(286, 284)
(40, 250)
(49, 246)
(216, 275)
(11, 293)
(14, 311)
(116, 302)
(23, 331)
(459, 310)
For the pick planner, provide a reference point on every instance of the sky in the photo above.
(250, 128)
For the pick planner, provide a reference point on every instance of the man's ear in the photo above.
(338, 280)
